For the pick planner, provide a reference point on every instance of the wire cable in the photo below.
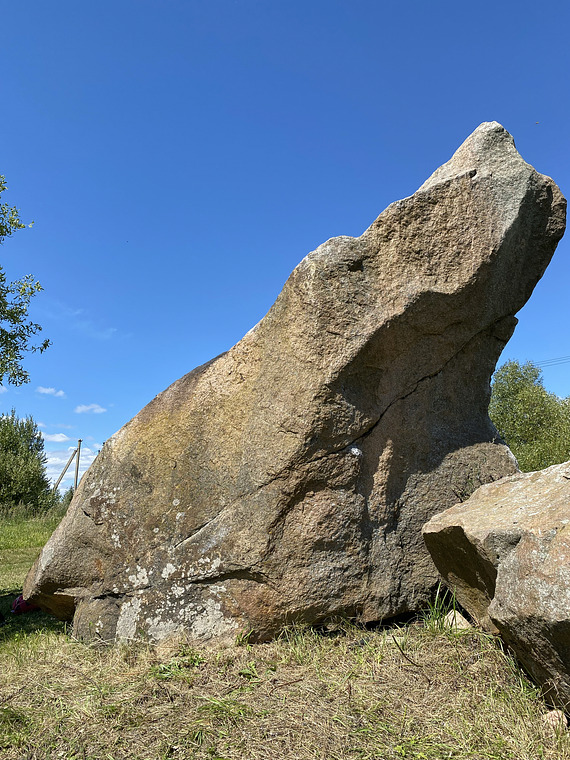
(553, 362)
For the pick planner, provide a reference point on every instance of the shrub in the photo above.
(534, 423)
(23, 478)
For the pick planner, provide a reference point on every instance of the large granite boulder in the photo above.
(288, 479)
(506, 553)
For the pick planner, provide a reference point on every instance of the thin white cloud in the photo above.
(88, 327)
(55, 437)
(3, 389)
(78, 320)
(89, 409)
(50, 392)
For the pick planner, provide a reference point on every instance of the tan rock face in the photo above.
(289, 478)
(506, 552)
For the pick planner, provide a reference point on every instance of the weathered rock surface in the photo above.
(289, 478)
(506, 552)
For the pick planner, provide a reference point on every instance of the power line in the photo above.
(553, 362)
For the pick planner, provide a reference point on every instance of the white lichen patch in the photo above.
(140, 578)
(180, 515)
(211, 621)
(161, 629)
(203, 618)
(213, 564)
(128, 619)
(168, 570)
(175, 502)
(116, 539)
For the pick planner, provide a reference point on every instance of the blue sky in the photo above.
(180, 157)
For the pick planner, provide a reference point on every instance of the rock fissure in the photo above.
(246, 574)
(369, 430)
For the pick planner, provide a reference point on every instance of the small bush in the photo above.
(24, 485)
(534, 423)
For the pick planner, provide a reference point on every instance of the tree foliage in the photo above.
(23, 478)
(65, 500)
(534, 423)
(16, 331)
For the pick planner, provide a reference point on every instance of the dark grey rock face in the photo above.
(289, 478)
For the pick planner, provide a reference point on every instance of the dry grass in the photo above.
(406, 692)
(340, 693)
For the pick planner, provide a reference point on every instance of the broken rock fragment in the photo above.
(506, 553)
(288, 479)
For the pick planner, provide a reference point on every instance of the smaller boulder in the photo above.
(505, 552)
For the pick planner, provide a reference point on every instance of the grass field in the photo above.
(415, 691)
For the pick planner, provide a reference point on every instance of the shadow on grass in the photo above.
(26, 623)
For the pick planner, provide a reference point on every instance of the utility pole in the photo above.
(64, 470)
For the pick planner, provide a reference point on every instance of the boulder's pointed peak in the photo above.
(489, 126)
(489, 135)
(489, 149)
